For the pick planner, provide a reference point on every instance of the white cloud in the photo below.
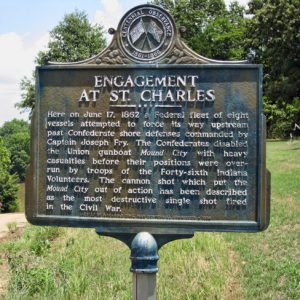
(110, 14)
(240, 2)
(17, 54)
(9, 95)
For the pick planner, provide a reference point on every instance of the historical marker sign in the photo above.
(149, 136)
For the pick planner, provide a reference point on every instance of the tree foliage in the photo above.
(8, 182)
(73, 39)
(16, 138)
(280, 118)
(28, 94)
(210, 29)
(273, 32)
(275, 36)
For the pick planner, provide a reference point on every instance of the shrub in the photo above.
(8, 182)
(281, 117)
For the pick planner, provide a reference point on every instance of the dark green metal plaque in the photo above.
(149, 136)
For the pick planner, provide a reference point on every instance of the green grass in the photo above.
(21, 197)
(199, 268)
(271, 259)
(59, 263)
(56, 263)
(12, 227)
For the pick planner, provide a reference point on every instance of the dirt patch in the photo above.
(10, 236)
(18, 219)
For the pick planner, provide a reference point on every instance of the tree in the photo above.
(274, 34)
(73, 39)
(16, 138)
(211, 29)
(280, 120)
(28, 93)
(8, 182)
(223, 37)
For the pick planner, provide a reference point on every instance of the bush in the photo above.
(281, 117)
(16, 139)
(8, 182)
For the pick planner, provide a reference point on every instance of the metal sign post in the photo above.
(144, 257)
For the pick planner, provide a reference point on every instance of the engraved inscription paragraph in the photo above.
(150, 146)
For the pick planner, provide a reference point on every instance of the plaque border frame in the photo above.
(155, 226)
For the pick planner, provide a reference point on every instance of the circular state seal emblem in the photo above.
(146, 33)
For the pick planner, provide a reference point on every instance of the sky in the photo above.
(24, 31)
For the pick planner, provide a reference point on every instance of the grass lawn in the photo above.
(270, 260)
(59, 263)
(21, 197)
